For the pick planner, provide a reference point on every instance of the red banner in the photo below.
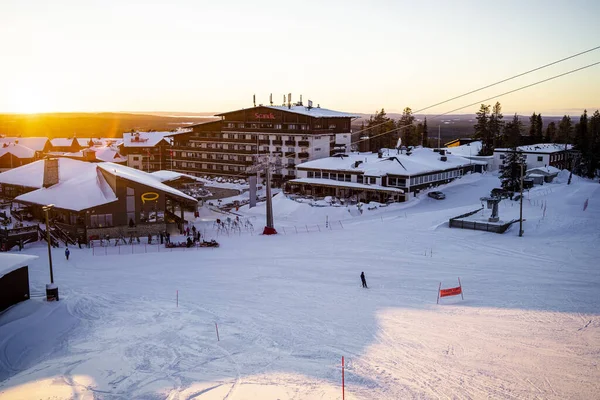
(455, 291)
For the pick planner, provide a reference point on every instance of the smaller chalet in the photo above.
(148, 151)
(66, 145)
(538, 155)
(14, 155)
(96, 199)
(389, 176)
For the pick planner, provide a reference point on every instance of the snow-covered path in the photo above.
(289, 307)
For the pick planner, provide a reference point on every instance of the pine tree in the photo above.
(594, 134)
(407, 127)
(425, 138)
(511, 170)
(584, 143)
(565, 130)
(482, 130)
(496, 124)
(380, 130)
(551, 134)
(512, 132)
(539, 128)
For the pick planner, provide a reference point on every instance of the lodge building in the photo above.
(292, 133)
(388, 176)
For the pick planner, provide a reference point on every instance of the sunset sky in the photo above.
(356, 56)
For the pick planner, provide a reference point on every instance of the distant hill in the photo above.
(93, 124)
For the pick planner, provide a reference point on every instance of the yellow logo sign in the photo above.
(149, 196)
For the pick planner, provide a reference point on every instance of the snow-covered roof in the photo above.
(102, 153)
(11, 262)
(165, 176)
(148, 139)
(422, 160)
(543, 148)
(34, 143)
(354, 185)
(547, 170)
(466, 150)
(142, 178)
(62, 142)
(17, 150)
(81, 184)
(316, 112)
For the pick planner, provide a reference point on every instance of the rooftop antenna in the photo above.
(300, 100)
(254, 99)
(310, 104)
(289, 100)
(283, 100)
(271, 99)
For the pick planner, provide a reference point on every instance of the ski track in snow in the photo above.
(288, 307)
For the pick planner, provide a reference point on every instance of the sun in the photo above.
(26, 100)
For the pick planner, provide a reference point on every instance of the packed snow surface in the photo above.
(289, 306)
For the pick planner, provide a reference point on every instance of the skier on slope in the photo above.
(67, 252)
(364, 281)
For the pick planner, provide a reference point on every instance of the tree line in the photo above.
(384, 132)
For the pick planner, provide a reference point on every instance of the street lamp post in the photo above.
(51, 289)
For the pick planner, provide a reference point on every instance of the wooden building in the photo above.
(97, 199)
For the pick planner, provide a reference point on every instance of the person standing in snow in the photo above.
(67, 252)
(364, 281)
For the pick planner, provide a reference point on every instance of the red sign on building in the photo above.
(264, 116)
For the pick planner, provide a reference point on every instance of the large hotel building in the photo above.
(295, 133)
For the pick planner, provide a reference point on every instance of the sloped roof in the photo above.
(422, 160)
(165, 176)
(542, 148)
(81, 184)
(34, 143)
(316, 112)
(148, 139)
(102, 153)
(62, 142)
(18, 151)
(11, 262)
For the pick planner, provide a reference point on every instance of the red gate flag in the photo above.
(455, 291)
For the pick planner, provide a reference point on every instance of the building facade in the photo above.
(538, 155)
(148, 151)
(293, 134)
(386, 177)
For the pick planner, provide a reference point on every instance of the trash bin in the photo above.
(51, 292)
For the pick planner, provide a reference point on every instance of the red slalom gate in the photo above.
(455, 291)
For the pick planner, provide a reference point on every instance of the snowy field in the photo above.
(289, 306)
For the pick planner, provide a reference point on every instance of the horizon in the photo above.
(345, 56)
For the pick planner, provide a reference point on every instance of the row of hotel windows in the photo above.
(341, 177)
(218, 167)
(242, 147)
(419, 180)
(254, 137)
(291, 127)
(539, 158)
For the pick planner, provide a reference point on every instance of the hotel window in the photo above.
(103, 220)
(225, 136)
(240, 125)
(291, 149)
(304, 127)
(291, 126)
(230, 125)
(359, 178)
(348, 178)
(318, 149)
(310, 174)
(248, 137)
(265, 148)
(392, 182)
(304, 137)
(253, 126)
(203, 166)
(540, 158)
(317, 137)
(332, 126)
(249, 158)
(278, 149)
(318, 174)
(340, 177)
(277, 126)
(325, 175)
(372, 180)
(317, 126)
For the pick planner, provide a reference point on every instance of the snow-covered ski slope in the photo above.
(288, 307)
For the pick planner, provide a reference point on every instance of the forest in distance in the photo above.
(113, 124)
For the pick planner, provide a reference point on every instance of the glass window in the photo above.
(325, 175)
(310, 174)
(540, 158)
(317, 174)
(348, 178)
(359, 178)
(373, 180)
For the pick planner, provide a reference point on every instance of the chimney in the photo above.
(50, 172)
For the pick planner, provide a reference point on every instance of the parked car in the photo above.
(437, 195)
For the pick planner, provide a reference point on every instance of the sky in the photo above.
(355, 56)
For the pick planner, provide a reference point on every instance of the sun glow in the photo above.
(27, 100)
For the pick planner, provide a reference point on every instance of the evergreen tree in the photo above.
(511, 169)
(585, 140)
(551, 134)
(565, 129)
(512, 132)
(496, 124)
(408, 129)
(594, 132)
(539, 128)
(380, 130)
(482, 130)
(425, 138)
